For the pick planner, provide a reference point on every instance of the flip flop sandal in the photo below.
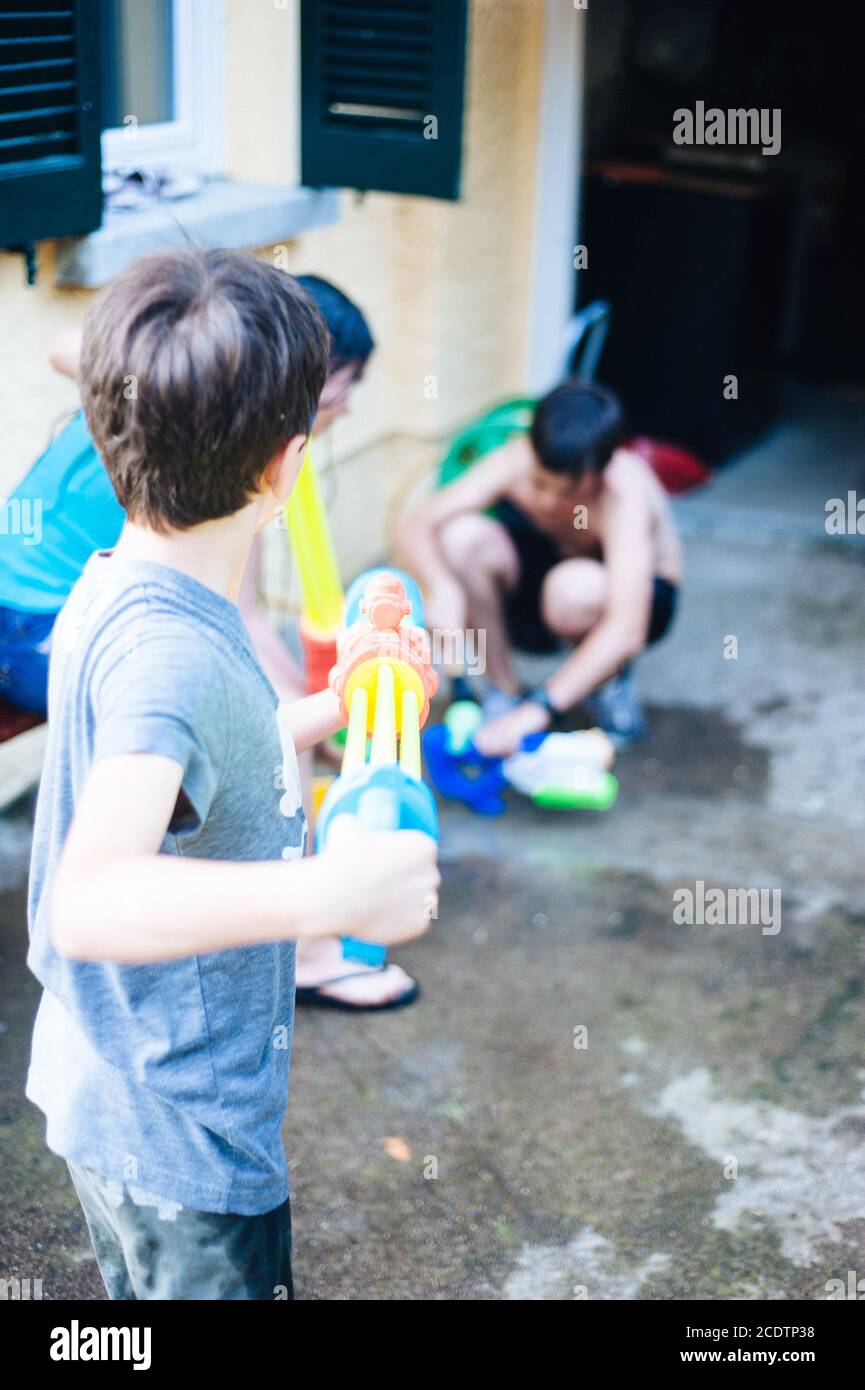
(314, 995)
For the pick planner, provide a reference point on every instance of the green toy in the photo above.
(562, 772)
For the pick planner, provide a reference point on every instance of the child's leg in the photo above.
(572, 602)
(163, 1251)
(574, 594)
(483, 557)
(572, 598)
(106, 1243)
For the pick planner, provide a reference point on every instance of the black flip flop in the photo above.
(313, 996)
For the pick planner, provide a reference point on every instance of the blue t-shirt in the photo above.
(68, 510)
(171, 1077)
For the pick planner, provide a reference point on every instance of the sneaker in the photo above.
(614, 706)
(497, 702)
(462, 689)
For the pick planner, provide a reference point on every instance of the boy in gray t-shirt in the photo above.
(163, 914)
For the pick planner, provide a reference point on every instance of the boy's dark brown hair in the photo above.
(197, 367)
(576, 428)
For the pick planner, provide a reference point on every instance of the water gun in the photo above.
(384, 679)
(558, 771)
(315, 557)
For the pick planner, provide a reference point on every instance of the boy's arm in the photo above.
(618, 636)
(311, 718)
(621, 632)
(416, 538)
(314, 718)
(116, 898)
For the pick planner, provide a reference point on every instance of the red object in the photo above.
(15, 721)
(319, 655)
(676, 469)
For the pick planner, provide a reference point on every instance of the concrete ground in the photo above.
(591, 1100)
(781, 483)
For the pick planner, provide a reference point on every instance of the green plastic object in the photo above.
(565, 798)
(485, 434)
(462, 722)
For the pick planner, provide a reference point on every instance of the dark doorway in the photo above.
(720, 260)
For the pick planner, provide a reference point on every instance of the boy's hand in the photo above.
(379, 885)
(498, 738)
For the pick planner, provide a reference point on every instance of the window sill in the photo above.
(225, 213)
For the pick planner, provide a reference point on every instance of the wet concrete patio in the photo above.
(591, 1100)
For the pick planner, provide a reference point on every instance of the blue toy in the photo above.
(557, 771)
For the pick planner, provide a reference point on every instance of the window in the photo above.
(382, 95)
(163, 89)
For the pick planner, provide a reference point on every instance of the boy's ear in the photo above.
(281, 473)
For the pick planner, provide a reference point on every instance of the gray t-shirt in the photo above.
(170, 1078)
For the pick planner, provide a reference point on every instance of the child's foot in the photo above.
(462, 689)
(325, 977)
(615, 708)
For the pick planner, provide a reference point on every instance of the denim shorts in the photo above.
(25, 644)
(148, 1248)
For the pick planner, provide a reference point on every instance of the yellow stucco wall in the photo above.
(445, 285)
(33, 398)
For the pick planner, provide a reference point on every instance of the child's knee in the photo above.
(573, 597)
(473, 544)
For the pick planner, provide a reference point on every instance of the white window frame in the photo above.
(195, 139)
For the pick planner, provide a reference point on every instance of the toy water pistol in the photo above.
(384, 680)
(565, 772)
(315, 557)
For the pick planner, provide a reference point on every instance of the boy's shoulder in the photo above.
(515, 460)
(114, 594)
(518, 452)
(627, 474)
(148, 662)
(126, 625)
(117, 607)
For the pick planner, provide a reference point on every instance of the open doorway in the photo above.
(733, 264)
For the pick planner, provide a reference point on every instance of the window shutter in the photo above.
(382, 94)
(50, 167)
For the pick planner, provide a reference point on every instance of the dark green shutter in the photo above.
(371, 76)
(50, 166)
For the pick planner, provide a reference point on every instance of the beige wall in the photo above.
(33, 398)
(445, 285)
